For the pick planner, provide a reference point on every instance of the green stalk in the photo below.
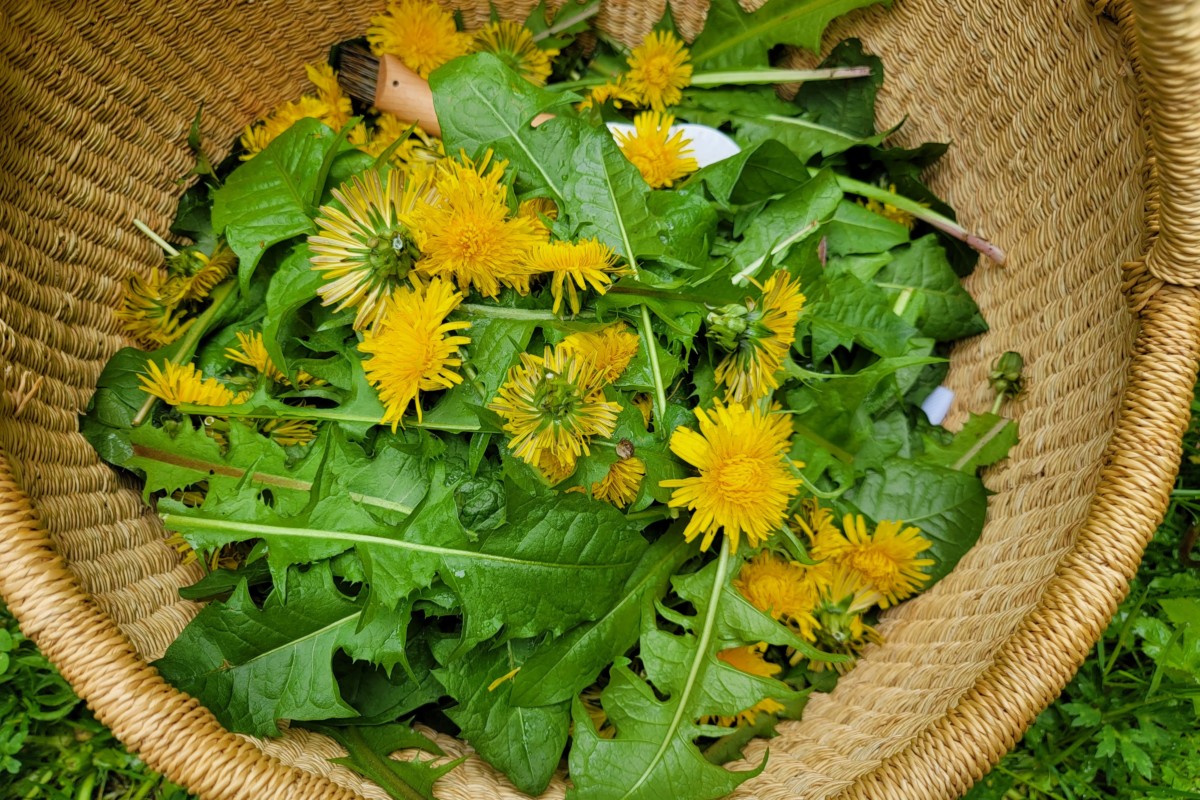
(187, 345)
(746, 77)
(565, 21)
(305, 412)
(503, 312)
(942, 223)
(743, 77)
(641, 291)
(154, 237)
(660, 391)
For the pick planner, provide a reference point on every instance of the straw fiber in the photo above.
(1075, 132)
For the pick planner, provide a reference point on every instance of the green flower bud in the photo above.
(1005, 377)
(726, 325)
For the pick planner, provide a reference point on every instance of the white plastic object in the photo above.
(937, 404)
(709, 145)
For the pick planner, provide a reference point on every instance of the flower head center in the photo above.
(873, 564)
(658, 71)
(557, 396)
(741, 477)
(391, 253)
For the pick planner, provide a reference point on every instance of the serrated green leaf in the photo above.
(934, 300)
(846, 105)
(380, 697)
(558, 671)
(653, 753)
(735, 39)
(525, 743)
(756, 173)
(252, 666)
(842, 311)
(983, 440)
(853, 229)
(837, 414)
(368, 749)
(784, 222)
(560, 559)
(269, 198)
(293, 285)
(609, 198)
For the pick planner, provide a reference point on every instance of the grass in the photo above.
(1126, 727)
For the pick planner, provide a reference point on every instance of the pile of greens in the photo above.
(363, 576)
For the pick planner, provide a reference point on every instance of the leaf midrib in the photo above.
(291, 643)
(512, 132)
(710, 621)
(206, 523)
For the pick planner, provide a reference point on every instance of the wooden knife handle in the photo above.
(407, 95)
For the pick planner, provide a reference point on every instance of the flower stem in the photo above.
(660, 391)
(504, 312)
(566, 21)
(740, 77)
(280, 411)
(154, 237)
(751, 76)
(942, 223)
(187, 345)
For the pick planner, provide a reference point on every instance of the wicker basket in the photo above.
(1077, 148)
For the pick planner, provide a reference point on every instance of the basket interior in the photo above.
(1048, 161)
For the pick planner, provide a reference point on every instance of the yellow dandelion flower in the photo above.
(256, 137)
(289, 432)
(620, 485)
(758, 336)
(467, 232)
(324, 79)
(746, 481)
(533, 210)
(661, 156)
(513, 44)
(197, 273)
(887, 559)
(175, 384)
(554, 402)
(555, 469)
(889, 211)
(610, 350)
(659, 71)
(845, 598)
(749, 659)
(645, 404)
(817, 522)
(417, 151)
(614, 90)
(420, 33)
(252, 352)
(574, 266)
(414, 349)
(780, 588)
(149, 310)
(367, 251)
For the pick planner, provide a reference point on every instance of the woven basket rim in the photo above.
(158, 721)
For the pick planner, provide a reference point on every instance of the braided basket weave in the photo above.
(1076, 147)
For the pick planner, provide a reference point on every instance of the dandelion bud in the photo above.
(728, 324)
(1005, 377)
